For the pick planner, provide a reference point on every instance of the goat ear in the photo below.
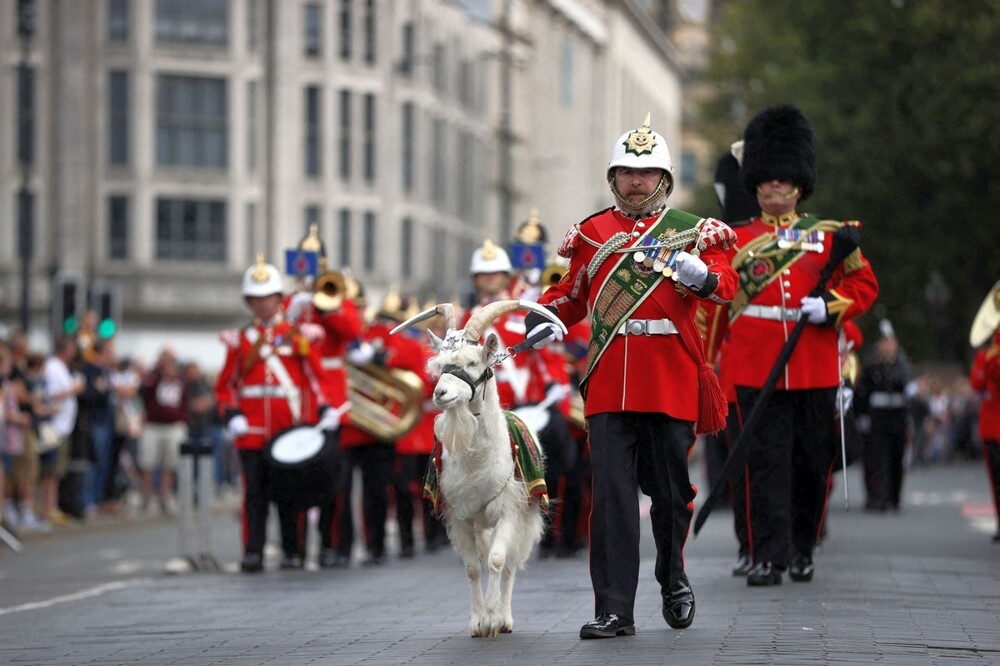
(434, 340)
(491, 346)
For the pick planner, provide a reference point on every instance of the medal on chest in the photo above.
(655, 258)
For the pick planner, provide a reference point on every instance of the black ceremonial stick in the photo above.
(845, 240)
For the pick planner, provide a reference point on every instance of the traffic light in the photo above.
(66, 293)
(105, 300)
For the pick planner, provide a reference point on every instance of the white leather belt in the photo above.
(647, 327)
(262, 391)
(886, 400)
(771, 312)
(332, 363)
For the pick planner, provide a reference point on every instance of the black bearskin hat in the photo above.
(779, 144)
(738, 207)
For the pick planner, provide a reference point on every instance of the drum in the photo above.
(302, 466)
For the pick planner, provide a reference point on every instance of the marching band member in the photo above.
(782, 254)
(270, 381)
(985, 379)
(648, 387)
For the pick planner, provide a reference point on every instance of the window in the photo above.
(191, 122)
(438, 65)
(201, 22)
(190, 229)
(345, 238)
(344, 140)
(117, 21)
(369, 241)
(406, 247)
(25, 115)
(369, 139)
(253, 24)
(407, 147)
(566, 74)
(252, 129)
(465, 83)
(118, 227)
(407, 48)
(437, 170)
(118, 118)
(249, 225)
(370, 32)
(466, 174)
(345, 29)
(313, 140)
(312, 37)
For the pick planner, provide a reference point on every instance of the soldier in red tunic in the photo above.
(639, 270)
(985, 378)
(271, 381)
(780, 258)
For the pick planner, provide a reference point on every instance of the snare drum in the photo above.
(302, 466)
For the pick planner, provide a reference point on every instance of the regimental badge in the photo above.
(489, 250)
(760, 270)
(640, 140)
(260, 273)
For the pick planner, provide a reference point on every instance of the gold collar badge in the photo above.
(640, 140)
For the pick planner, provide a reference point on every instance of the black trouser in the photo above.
(376, 464)
(560, 462)
(407, 485)
(991, 456)
(631, 451)
(255, 494)
(884, 451)
(788, 471)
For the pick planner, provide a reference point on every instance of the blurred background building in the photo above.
(150, 148)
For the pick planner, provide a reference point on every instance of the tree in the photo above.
(905, 99)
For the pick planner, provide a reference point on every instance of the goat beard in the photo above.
(456, 428)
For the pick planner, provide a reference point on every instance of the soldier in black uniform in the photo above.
(883, 416)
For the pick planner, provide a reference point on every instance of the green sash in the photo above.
(763, 259)
(625, 288)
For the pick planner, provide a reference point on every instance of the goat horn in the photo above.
(489, 313)
(447, 310)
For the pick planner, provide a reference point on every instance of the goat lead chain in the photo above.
(505, 483)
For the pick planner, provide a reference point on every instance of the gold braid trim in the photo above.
(854, 261)
(838, 305)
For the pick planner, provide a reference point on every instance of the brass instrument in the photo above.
(987, 318)
(329, 290)
(551, 276)
(385, 403)
(576, 411)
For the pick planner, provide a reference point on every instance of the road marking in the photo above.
(76, 596)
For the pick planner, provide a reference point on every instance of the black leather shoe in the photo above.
(328, 559)
(291, 562)
(678, 604)
(996, 537)
(374, 560)
(607, 625)
(763, 573)
(801, 570)
(252, 563)
(742, 567)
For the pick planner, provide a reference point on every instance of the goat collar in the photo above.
(452, 369)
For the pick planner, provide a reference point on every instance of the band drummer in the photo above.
(270, 381)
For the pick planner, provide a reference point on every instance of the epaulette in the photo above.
(230, 337)
(572, 238)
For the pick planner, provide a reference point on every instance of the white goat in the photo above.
(492, 517)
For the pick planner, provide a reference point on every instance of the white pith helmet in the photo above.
(262, 279)
(641, 148)
(490, 259)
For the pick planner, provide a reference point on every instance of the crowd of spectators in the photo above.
(87, 435)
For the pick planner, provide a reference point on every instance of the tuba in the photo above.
(987, 319)
(385, 403)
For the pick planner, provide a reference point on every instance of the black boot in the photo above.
(608, 625)
(763, 573)
(678, 604)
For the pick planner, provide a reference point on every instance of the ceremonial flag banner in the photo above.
(527, 255)
(301, 263)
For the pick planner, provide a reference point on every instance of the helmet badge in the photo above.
(640, 140)
(489, 250)
(260, 273)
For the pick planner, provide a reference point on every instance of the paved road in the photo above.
(918, 587)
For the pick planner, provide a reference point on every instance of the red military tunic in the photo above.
(985, 378)
(265, 363)
(754, 343)
(639, 373)
(340, 327)
(421, 438)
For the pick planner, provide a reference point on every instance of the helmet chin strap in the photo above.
(653, 202)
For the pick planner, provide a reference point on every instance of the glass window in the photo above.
(345, 238)
(406, 247)
(437, 171)
(118, 227)
(191, 126)
(408, 49)
(407, 146)
(313, 140)
(345, 29)
(369, 241)
(370, 32)
(438, 64)
(369, 138)
(344, 140)
(190, 229)
(253, 24)
(118, 21)
(202, 22)
(252, 129)
(118, 118)
(313, 30)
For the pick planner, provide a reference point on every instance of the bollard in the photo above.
(194, 508)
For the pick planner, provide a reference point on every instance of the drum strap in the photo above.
(265, 352)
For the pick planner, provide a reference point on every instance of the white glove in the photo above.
(297, 305)
(556, 393)
(555, 334)
(845, 394)
(330, 420)
(814, 308)
(691, 270)
(362, 354)
(238, 426)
